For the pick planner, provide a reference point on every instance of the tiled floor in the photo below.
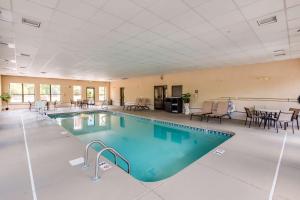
(245, 171)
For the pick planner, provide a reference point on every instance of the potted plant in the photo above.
(5, 98)
(186, 98)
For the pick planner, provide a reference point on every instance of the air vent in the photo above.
(125, 78)
(279, 54)
(22, 67)
(3, 60)
(43, 72)
(266, 21)
(4, 43)
(298, 30)
(24, 54)
(31, 22)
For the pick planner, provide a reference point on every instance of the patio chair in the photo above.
(252, 116)
(134, 106)
(143, 104)
(221, 112)
(285, 119)
(206, 109)
(295, 116)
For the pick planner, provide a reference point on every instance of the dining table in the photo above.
(267, 115)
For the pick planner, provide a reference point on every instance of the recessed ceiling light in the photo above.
(266, 21)
(13, 61)
(31, 22)
(11, 46)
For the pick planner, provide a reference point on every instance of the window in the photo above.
(15, 90)
(21, 92)
(28, 92)
(102, 93)
(55, 93)
(45, 92)
(76, 92)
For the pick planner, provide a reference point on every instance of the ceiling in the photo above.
(113, 39)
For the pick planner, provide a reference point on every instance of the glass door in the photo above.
(90, 95)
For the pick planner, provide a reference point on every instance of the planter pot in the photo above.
(186, 108)
(6, 108)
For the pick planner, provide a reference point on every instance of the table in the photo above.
(267, 115)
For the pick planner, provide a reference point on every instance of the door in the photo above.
(159, 97)
(90, 95)
(176, 90)
(122, 97)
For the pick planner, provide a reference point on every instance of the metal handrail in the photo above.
(86, 153)
(105, 148)
(116, 154)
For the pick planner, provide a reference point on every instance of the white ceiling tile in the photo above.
(48, 3)
(261, 8)
(29, 9)
(162, 8)
(200, 29)
(215, 8)
(295, 23)
(96, 3)
(68, 21)
(76, 8)
(290, 3)
(241, 3)
(194, 3)
(146, 19)
(130, 29)
(106, 20)
(124, 9)
(293, 13)
(187, 20)
(230, 18)
(5, 4)
(178, 36)
(164, 29)
(147, 36)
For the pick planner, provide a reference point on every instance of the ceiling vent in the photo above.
(266, 21)
(279, 52)
(125, 78)
(24, 54)
(4, 43)
(3, 60)
(31, 22)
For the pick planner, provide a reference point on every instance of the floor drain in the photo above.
(219, 152)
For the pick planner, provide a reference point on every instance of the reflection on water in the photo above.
(176, 135)
(122, 122)
(77, 123)
(102, 119)
(91, 120)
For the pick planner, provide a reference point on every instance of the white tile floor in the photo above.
(245, 171)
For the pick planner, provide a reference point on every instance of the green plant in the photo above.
(186, 97)
(5, 98)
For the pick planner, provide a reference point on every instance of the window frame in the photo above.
(50, 95)
(74, 94)
(104, 95)
(22, 94)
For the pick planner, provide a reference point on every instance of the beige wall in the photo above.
(268, 80)
(66, 86)
(0, 91)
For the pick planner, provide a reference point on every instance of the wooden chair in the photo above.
(295, 116)
(251, 116)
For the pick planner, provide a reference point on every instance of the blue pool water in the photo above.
(155, 149)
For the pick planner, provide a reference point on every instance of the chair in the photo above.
(295, 115)
(206, 109)
(221, 112)
(252, 116)
(285, 119)
(143, 104)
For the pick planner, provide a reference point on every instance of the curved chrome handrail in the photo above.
(115, 153)
(86, 153)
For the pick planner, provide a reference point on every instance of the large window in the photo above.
(15, 90)
(76, 92)
(28, 92)
(50, 92)
(45, 92)
(21, 92)
(55, 93)
(102, 93)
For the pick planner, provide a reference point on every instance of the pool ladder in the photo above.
(104, 148)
